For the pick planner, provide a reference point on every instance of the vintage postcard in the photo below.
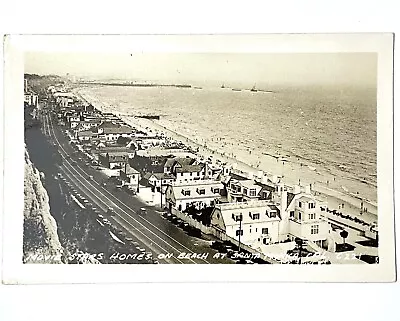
(198, 158)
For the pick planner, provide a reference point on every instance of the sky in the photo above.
(200, 68)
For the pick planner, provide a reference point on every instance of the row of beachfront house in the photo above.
(258, 210)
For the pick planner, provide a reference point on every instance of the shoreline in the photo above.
(328, 193)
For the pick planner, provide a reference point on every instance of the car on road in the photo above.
(110, 211)
(106, 221)
(90, 177)
(143, 211)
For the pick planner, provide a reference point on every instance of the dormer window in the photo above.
(201, 191)
(215, 190)
(255, 216)
(186, 192)
(253, 192)
(237, 217)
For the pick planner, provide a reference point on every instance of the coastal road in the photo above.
(159, 235)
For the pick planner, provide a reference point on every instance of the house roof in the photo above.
(118, 130)
(169, 162)
(194, 187)
(61, 94)
(249, 184)
(238, 177)
(190, 168)
(117, 153)
(130, 170)
(229, 210)
(160, 176)
(113, 149)
(184, 160)
(306, 198)
(85, 133)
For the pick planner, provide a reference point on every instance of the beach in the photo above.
(328, 187)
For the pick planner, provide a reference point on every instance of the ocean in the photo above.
(327, 135)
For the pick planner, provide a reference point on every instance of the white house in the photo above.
(301, 215)
(130, 176)
(113, 160)
(84, 135)
(197, 193)
(188, 173)
(157, 180)
(109, 131)
(254, 223)
(245, 189)
(31, 98)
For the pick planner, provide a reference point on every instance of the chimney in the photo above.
(283, 199)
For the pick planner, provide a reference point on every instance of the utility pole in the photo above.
(240, 229)
(161, 192)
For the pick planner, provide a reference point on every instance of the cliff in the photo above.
(40, 241)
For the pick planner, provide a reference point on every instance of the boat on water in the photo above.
(254, 88)
(223, 86)
(236, 89)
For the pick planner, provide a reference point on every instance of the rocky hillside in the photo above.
(40, 242)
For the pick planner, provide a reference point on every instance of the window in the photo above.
(253, 192)
(217, 215)
(291, 213)
(181, 174)
(201, 191)
(299, 204)
(215, 190)
(186, 193)
(256, 216)
(272, 214)
(311, 216)
(239, 217)
(191, 173)
(264, 230)
(311, 205)
(245, 190)
(300, 216)
(239, 232)
(238, 189)
(314, 229)
(198, 174)
(256, 229)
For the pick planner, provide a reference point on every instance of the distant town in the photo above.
(157, 195)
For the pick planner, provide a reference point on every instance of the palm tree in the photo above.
(344, 234)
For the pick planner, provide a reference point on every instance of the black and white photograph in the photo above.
(189, 155)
